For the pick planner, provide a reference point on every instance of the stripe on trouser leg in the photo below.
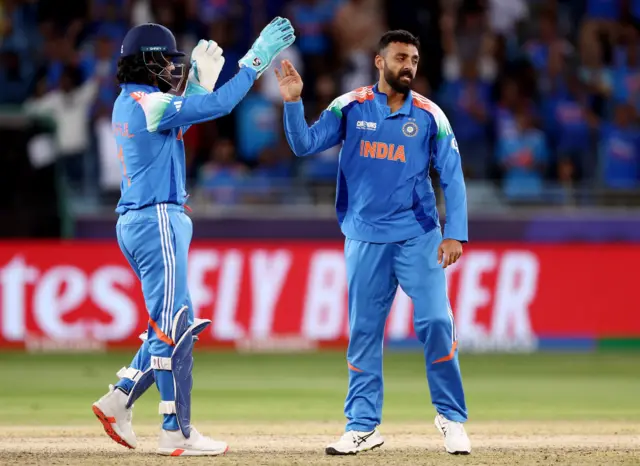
(172, 273)
(453, 325)
(169, 266)
(160, 318)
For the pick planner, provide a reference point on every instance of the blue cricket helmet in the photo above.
(150, 37)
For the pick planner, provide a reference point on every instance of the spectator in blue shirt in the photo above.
(604, 9)
(569, 121)
(467, 102)
(321, 170)
(16, 76)
(504, 122)
(222, 177)
(270, 181)
(523, 160)
(626, 78)
(634, 9)
(537, 49)
(620, 157)
(257, 125)
(312, 21)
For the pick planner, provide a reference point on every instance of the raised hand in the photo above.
(274, 38)
(206, 64)
(289, 81)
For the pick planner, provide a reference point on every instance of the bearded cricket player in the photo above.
(154, 233)
(386, 208)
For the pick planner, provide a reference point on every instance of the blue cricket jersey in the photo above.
(148, 126)
(384, 191)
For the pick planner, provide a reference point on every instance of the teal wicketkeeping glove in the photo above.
(274, 38)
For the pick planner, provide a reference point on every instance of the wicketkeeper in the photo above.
(386, 208)
(153, 231)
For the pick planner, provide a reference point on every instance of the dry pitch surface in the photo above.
(512, 443)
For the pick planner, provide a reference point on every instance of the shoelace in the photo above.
(354, 438)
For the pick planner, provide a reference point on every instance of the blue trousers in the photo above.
(155, 240)
(374, 272)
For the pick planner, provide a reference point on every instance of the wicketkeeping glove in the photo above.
(274, 38)
(206, 64)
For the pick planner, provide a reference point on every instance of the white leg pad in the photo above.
(167, 407)
(129, 373)
(160, 363)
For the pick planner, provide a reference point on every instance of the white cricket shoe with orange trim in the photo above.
(173, 443)
(115, 418)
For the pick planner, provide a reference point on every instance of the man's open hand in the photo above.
(289, 81)
(449, 252)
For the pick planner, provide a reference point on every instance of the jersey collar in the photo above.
(131, 87)
(382, 99)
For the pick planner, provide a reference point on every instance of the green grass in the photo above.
(59, 389)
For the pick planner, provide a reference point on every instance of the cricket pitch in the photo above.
(302, 443)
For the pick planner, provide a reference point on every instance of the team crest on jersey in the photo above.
(410, 129)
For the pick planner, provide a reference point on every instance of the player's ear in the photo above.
(379, 61)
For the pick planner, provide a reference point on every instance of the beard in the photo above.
(394, 80)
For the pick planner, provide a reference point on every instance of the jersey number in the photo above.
(124, 166)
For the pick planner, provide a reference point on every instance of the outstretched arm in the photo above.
(326, 132)
(166, 111)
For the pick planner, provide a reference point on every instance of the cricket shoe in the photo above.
(115, 418)
(173, 443)
(456, 440)
(353, 442)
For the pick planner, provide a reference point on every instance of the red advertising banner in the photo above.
(504, 296)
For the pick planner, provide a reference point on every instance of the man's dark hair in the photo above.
(133, 70)
(400, 35)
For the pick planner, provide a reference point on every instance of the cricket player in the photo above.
(153, 231)
(386, 208)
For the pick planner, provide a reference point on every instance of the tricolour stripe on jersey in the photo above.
(360, 95)
(153, 105)
(444, 127)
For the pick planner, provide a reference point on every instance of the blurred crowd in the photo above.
(543, 95)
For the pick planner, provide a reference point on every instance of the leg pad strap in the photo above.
(167, 407)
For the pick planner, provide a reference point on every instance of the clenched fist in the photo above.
(449, 252)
